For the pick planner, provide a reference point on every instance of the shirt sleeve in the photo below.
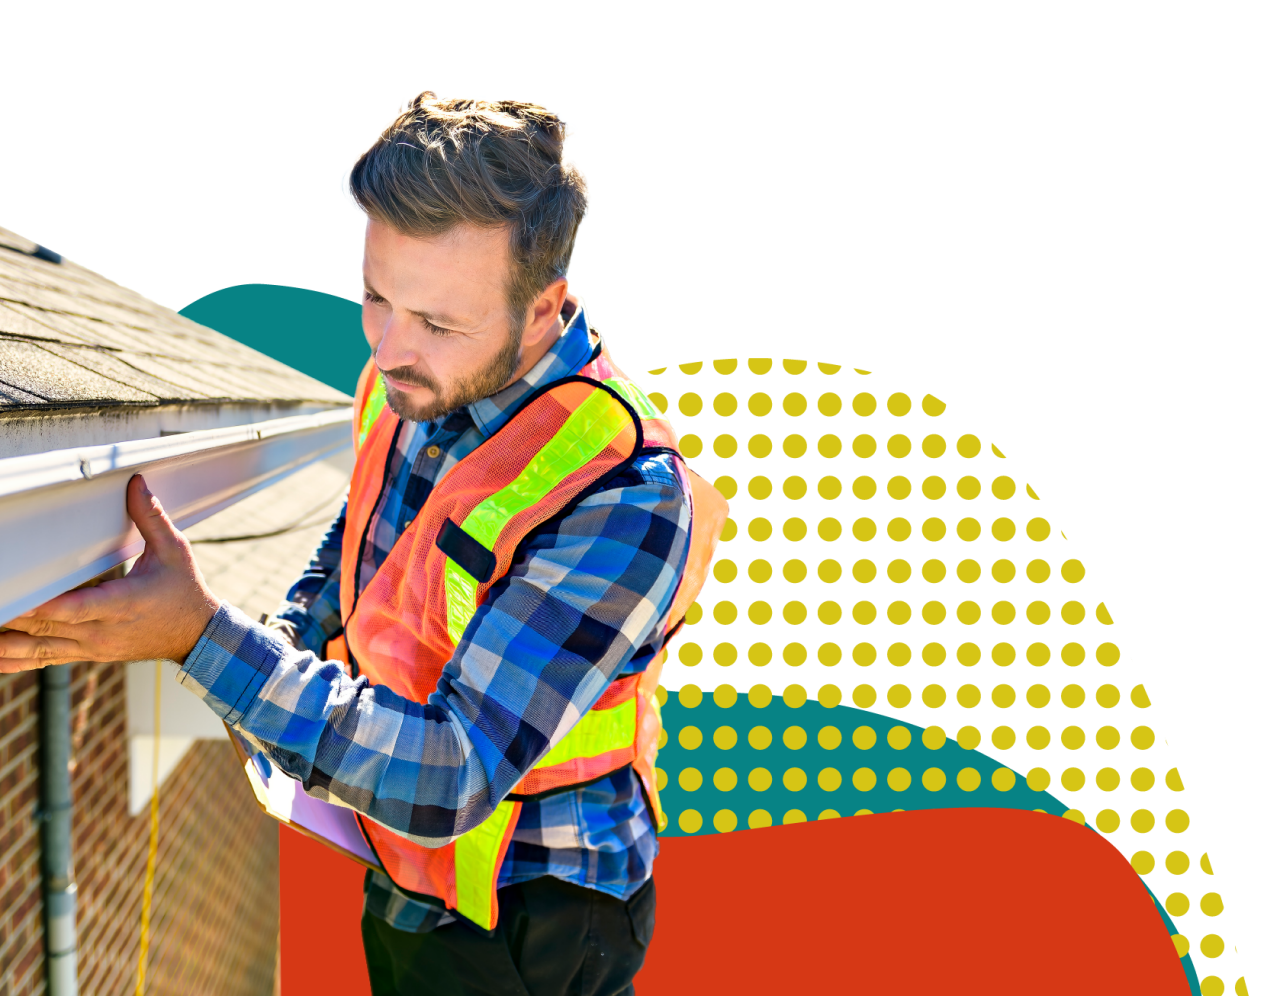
(586, 591)
(312, 607)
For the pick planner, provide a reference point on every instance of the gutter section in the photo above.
(62, 515)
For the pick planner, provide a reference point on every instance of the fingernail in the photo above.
(145, 490)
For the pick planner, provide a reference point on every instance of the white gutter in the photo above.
(62, 516)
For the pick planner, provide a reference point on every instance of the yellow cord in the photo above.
(154, 842)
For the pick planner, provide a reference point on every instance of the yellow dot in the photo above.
(933, 613)
(1037, 654)
(1173, 780)
(829, 404)
(829, 738)
(899, 446)
(1180, 944)
(725, 737)
(968, 737)
(829, 779)
(933, 779)
(1108, 821)
(1003, 571)
(1139, 697)
(899, 779)
(829, 488)
(725, 821)
(864, 738)
(829, 814)
(793, 570)
(725, 404)
(759, 404)
(1038, 529)
(933, 696)
(864, 404)
(1003, 779)
(898, 530)
(934, 738)
(759, 818)
(899, 488)
(691, 779)
(829, 696)
(1038, 696)
(864, 446)
(1142, 820)
(728, 531)
(899, 613)
(969, 654)
(759, 613)
(1142, 779)
(725, 613)
(794, 404)
(760, 737)
(690, 738)
(1003, 696)
(689, 368)
(899, 696)
(968, 779)
(1072, 571)
(829, 530)
(933, 654)
(795, 696)
(794, 816)
(690, 404)
(725, 571)
(1037, 571)
(1143, 862)
(760, 696)
(899, 404)
(1211, 945)
(1003, 488)
(899, 738)
(725, 696)
(969, 613)
(794, 530)
(968, 696)
(1003, 737)
(968, 488)
(759, 446)
(829, 446)
(691, 445)
(1038, 738)
(691, 696)
(1177, 820)
(1003, 530)
(1211, 985)
(968, 529)
(794, 737)
(864, 696)
(661, 695)
(1177, 862)
(1108, 737)
(759, 530)
(1142, 737)
(1037, 779)
(1177, 904)
(659, 400)
(794, 488)
(760, 779)
(864, 779)
(760, 654)
(1073, 738)
(864, 655)
(1107, 654)
(864, 488)
(725, 446)
(1072, 655)
(933, 529)
(725, 366)
(968, 446)
(1073, 779)
(1072, 613)
(690, 655)
(794, 613)
(1204, 864)
(933, 488)
(933, 446)
(661, 777)
(864, 613)
(691, 821)
(1211, 904)
(794, 779)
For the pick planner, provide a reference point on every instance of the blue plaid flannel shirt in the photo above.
(591, 589)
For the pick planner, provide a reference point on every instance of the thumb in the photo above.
(148, 515)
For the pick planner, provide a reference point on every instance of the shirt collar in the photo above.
(569, 354)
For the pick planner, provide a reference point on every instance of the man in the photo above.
(493, 601)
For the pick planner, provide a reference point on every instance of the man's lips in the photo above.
(400, 385)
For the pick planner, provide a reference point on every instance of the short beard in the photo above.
(460, 393)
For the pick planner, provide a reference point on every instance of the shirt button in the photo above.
(433, 451)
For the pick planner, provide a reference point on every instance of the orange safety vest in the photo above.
(403, 628)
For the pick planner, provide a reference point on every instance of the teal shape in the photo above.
(319, 334)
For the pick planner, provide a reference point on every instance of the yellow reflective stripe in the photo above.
(600, 730)
(591, 427)
(638, 399)
(373, 406)
(476, 855)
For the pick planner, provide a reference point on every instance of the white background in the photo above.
(1063, 218)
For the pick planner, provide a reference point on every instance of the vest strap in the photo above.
(477, 856)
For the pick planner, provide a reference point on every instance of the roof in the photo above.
(70, 338)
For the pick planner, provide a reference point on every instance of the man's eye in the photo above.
(374, 298)
(436, 329)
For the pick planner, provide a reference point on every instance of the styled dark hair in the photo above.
(489, 163)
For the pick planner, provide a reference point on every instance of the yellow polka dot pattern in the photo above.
(883, 548)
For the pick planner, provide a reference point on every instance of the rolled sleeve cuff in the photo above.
(231, 662)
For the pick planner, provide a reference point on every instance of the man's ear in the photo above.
(544, 311)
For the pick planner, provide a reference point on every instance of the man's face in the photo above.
(436, 317)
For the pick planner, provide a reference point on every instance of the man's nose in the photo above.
(398, 347)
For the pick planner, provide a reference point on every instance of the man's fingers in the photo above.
(82, 605)
(149, 516)
(18, 648)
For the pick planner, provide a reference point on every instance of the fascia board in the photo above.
(62, 515)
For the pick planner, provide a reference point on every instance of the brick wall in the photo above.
(215, 909)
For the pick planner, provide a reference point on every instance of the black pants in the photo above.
(553, 939)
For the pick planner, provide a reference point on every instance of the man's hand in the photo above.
(158, 610)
